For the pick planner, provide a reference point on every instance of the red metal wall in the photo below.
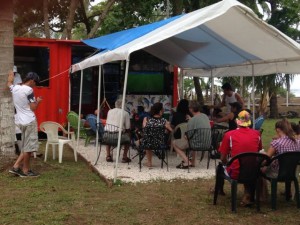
(55, 104)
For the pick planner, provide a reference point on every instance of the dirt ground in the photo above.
(5, 162)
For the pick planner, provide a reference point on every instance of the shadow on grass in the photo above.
(70, 193)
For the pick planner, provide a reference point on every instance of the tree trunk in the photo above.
(67, 33)
(84, 16)
(107, 7)
(7, 127)
(46, 18)
(263, 108)
(273, 106)
(177, 6)
(198, 91)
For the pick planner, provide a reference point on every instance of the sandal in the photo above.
(246, 204)
(126, 160)
(109, 159)
(182, 166)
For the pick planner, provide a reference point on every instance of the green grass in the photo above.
(269, 131)
(69, 193)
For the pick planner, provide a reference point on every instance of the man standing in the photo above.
(229, 97)
(25, 105)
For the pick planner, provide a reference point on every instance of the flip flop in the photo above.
(182, 166)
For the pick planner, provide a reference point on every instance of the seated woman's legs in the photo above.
(109, 158)
(180, 150)
(149, 158)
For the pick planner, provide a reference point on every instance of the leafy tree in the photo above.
(284, 15)
(32, 19)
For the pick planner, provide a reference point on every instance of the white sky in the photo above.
(296, 82)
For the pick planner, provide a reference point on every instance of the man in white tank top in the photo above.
(229, 97)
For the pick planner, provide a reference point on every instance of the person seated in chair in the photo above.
(91, 120)
(181, 115)
(243, 139)
(199, 120)
(113, 118)
(152, 139)
(138, 117)
(230, 118)
(284, 141)
(296, 129)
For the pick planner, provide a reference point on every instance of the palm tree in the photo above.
(7, 127)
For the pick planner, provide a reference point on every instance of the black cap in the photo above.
(236, 105)
(33, 76)
(227, 86)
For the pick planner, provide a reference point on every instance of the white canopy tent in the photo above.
(224, 39)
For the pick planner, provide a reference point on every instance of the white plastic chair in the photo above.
(51, 129)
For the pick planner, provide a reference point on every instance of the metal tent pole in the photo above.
(98, 108)
(79, 110)
(253, 96)
(122, 119)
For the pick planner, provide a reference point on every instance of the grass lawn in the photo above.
(69, 193)
(269, 130)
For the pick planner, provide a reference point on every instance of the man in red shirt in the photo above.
(243, 139)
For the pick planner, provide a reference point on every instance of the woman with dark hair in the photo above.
(230, 118)
(285, 141)
(182, 113)
(153, 139)
(296, 129)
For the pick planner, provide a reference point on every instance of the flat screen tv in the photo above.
(145, 82)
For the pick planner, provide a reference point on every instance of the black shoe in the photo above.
(30, 173)
(17, 171)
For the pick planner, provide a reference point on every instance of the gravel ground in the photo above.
(130, 172)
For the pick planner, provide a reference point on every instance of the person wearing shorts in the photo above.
(114, 118)
(25, 104)
(199, 120)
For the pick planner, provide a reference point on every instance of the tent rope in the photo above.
(104, 102)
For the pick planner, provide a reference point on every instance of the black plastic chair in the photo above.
(160, 149)
(199, 140)
(109, 136)
(217, 133)
(249, 173)
(287, 163)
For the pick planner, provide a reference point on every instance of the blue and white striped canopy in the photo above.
(224, 39)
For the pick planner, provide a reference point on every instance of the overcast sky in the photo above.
(296, 82)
